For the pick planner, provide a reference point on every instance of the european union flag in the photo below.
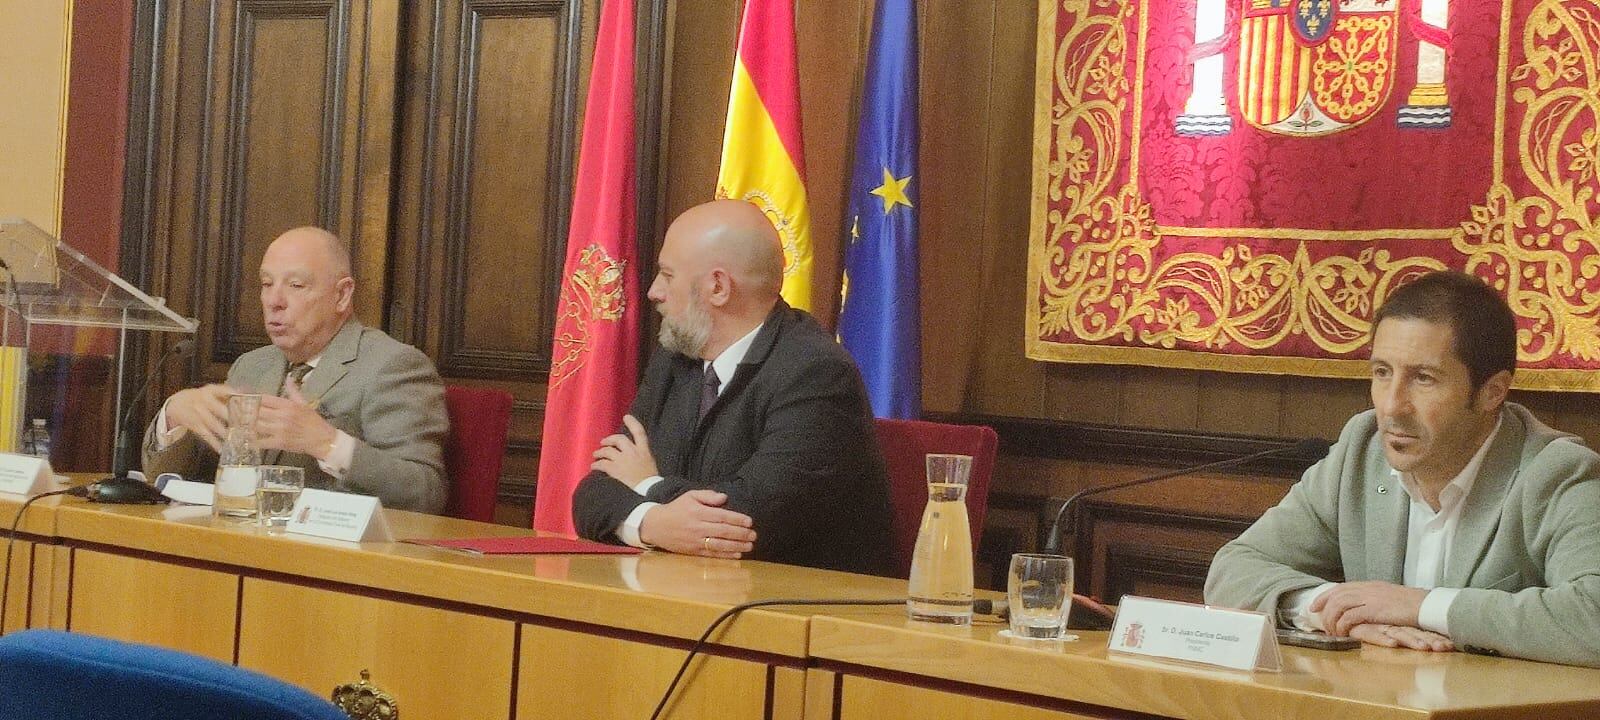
(879, 317)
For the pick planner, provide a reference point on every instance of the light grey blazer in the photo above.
(384, 393)
(1527, 547)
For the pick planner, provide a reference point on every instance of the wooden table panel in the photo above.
(127, 598)
(574, 675)
(438, 663)
(1371, 682)
(18, 597)
(867, 699)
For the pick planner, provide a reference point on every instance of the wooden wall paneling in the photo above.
(1080, 393)
(108, 591)
(699, 71)
(1159, 398)
(831, 44)
(1319, 407)
(514, 145)
(431, 659)
(368, 145)
(279, 65)
(490, 107)
(1239, 403)
(1004, 381)
(958, 87)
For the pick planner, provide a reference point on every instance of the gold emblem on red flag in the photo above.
(592, 293)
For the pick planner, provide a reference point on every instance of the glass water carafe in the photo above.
(235, 494)
(941, 565)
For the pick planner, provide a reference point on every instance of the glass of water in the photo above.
(1040, 594)
(276, 494)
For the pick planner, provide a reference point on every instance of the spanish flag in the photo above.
(763, 160)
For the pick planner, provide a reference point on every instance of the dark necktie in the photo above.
(708, 390)
(296, 376)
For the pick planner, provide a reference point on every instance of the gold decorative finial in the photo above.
(365, 701)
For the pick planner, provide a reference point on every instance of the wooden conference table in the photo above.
(461, 636)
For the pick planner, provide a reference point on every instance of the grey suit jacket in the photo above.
(380, 391)
(1527, 548)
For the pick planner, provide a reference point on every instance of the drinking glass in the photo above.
(1040, 593)
(279, 488)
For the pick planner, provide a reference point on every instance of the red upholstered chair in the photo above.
(906, 443)
(475, 449)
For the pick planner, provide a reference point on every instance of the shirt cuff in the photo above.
(166, 437)
(628, 531)
(1434, 614)
(1294, 607)
(339, 457)
(643, 488)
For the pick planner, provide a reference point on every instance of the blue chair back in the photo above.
(53, 675)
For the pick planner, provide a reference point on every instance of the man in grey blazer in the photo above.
(360, 411)
(1445, 516)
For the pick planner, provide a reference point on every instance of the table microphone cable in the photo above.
(11, 539)
(735, 610)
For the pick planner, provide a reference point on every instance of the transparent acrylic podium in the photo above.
(44, 281)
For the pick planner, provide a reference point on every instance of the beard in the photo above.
(686, 335)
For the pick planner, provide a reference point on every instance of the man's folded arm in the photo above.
(809, 439)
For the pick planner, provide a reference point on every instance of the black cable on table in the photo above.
(735, 610)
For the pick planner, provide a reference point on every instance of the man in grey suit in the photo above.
(358, 410)
(1445, 516)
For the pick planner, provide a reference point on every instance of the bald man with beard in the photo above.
(358, 410)
(751, 435)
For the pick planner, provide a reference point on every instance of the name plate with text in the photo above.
(339, 516)
(1237, 639)
(24, 474)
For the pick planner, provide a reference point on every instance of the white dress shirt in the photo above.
(340, 453)
(724, 365)
(1428, 537)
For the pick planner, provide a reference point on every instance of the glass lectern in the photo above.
(44, 281)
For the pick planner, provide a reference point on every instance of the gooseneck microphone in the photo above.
(119, 459)
(1311, 446)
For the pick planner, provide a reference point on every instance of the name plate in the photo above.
(1237, 639)
(339, 516)
(24, 474)
(185, 491)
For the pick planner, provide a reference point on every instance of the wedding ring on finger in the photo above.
(706, 543)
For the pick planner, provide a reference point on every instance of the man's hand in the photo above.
(696, 524)
(624, 458)
(1402, 636)
(291, 424)
(1359, 603)
(202, 411)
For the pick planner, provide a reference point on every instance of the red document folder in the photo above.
(528, 545)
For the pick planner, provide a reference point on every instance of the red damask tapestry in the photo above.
(1238, 184)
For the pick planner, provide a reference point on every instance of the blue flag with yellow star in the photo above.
(879, 317)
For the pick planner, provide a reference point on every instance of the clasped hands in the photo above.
(1378, 613)
(694, 523)
(291, 423)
